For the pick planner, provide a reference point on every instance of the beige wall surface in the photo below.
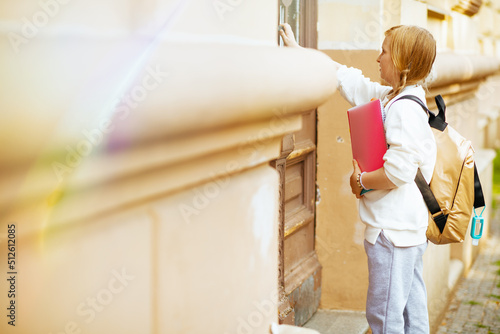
(349, 25)
(218, 19)
(339, 232)
(219, 265)
(148, 268)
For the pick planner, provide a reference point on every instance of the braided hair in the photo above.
(413, 51)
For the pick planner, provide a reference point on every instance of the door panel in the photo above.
(294, 188)
(299, 246)
(300, 271)
(301, 266)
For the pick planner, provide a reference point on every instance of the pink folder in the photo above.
(367, 135)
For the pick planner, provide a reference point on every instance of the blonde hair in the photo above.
(413, 51)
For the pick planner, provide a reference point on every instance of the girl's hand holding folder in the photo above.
(355, 186)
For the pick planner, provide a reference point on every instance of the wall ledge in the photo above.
(154, 92)
(234, 84)
(219, 110)
(450, 68)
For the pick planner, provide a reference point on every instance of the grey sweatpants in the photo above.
(397, 299)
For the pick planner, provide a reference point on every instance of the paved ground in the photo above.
(338, 322)
(475, 307)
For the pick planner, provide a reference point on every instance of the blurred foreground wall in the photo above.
(137, 194)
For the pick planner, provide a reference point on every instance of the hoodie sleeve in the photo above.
(356, 88)
(409, 141)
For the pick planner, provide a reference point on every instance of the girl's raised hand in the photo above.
(287, 35)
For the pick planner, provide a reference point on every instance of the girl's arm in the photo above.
(353, 86)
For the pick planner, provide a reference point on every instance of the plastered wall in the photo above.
(339, 232)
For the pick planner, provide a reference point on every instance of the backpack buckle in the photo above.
(440, 219)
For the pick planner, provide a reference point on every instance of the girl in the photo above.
(394, 213)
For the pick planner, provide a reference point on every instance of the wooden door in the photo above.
(300, 271)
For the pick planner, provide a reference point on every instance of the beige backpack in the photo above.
(455, 188)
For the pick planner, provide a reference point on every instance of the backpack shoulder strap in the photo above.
(478, 190)
(430, 200)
